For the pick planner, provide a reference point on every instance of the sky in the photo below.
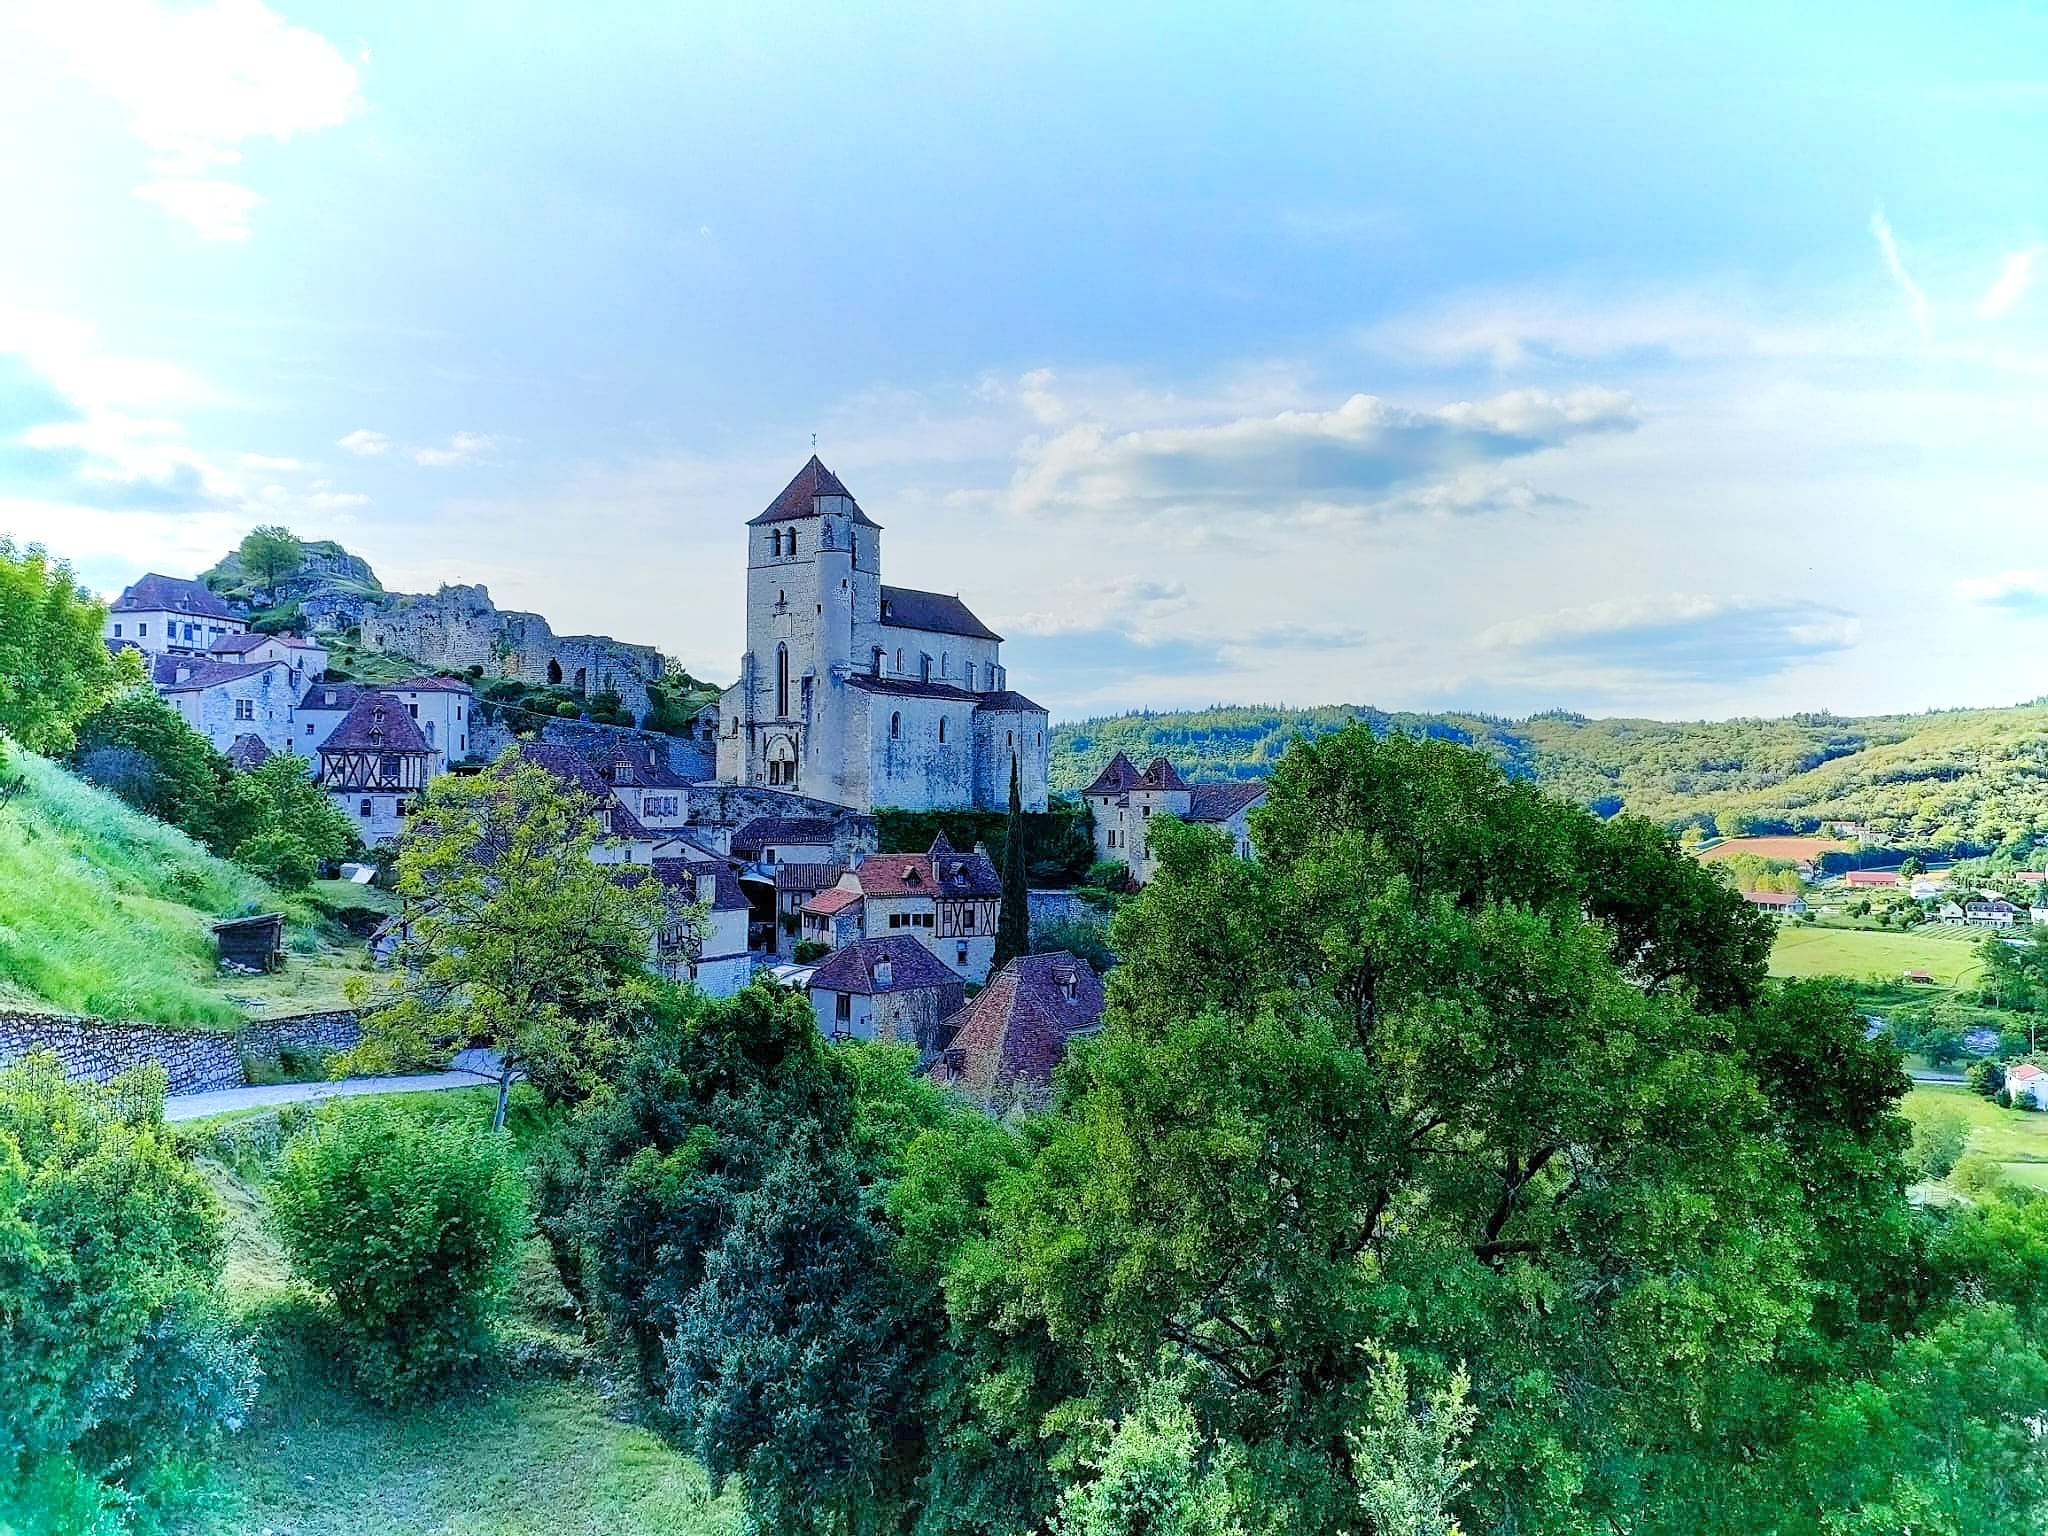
(1677, 361)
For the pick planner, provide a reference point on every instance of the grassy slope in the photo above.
(1947, 954)
(106, 911)
(525, 1456)
(1942, 779)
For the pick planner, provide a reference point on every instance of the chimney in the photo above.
(885, 972)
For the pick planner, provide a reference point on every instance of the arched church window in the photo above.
(782, 680)
(899, 658)
(945, 663)
(896, 725)
(792, 541)
(942, 730)
(775, 538)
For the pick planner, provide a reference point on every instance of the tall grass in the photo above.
(106, 911)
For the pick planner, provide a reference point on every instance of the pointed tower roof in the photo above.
(799, 497)
(1117, 775)
(939, 846)
(1161, 775)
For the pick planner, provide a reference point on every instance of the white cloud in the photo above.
(2014, 279)
(366, 443)
(1683, 637)
(463, 448)
(1923, 313)
(1133, 604)
(1366, 457)
(2023, 592)
(218, 210)
(196, 83)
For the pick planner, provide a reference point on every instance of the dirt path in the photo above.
(197, 1106)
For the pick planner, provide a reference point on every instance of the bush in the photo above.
(567, 710)
(1939, 1141)
(117, 1367)
(411, 1232)
(1086, 938)
(810, 951)
(1986, 1078)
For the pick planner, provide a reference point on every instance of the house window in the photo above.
(430, 733)
(842, 1010)
(877, 669)
(961, 957)
(896, 725)
(387, 766)
(792, 541)
(413, 710)
(117, 631)
(142, 629)
(245, 709)
(942, 730)
(895, 919)
(363, 810)
(309, 730)
(967, 919)
(768, 856)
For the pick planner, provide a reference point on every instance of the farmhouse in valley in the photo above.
(864, 694)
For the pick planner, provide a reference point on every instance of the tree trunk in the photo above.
(504, 1092)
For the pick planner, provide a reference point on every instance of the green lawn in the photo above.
(2015, 1139)
(529, 1453)
(1862, 954)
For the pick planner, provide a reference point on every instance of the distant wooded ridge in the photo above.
(1965, 780)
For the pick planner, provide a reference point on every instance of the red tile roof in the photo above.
(829, 902)
(940, 873)
(376, 722)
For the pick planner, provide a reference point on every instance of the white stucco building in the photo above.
(225, 700)
(169, 613)
(863, 694)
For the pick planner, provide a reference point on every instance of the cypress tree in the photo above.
(1013, 926)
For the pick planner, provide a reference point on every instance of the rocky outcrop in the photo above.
(196, 1062)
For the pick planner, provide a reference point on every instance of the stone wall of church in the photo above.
(913, 769)
(460, 627)
(999, 734)
(732, 806)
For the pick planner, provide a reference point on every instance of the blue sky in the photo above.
(1425, 357)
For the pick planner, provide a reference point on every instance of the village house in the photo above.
(442, 706)
(947, 901)
(223, 700)
(1004, 1046)
(885, 989)
(796, 886)
(771, 840)
(169, 613)
(1995, 913)
(306, 658)
(1124, 801)
(321, 708)
(1872, 879)
(833, 917)
(1778, 903)
(710, 952)
(374, 765)
(627, 840)
(2026, 1083)
(863, 694)
(642, 781)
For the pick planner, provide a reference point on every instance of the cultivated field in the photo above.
(1792, 849)
(1949, 955)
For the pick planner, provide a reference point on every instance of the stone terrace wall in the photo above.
(196, 1062)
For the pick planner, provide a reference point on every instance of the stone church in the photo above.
(860, 693)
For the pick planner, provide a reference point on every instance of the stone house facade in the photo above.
(863, 694)
(885, 989)
(1124, 800)
(306, 658)
(375, 765)
(224, 700)
(949, 902)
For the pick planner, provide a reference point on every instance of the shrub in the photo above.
(809, 951)
(1986, 1078)
(117, 1367)
(1086, 938)
(1939, 1141)
(412, 1234)
(567, 710)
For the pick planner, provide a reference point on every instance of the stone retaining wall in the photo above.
(198, 1062)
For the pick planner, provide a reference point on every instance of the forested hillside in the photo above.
(1963, 780)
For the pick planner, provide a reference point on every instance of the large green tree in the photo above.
(54, 668)
(288, 827)
(270, 554)
(141, 749)
(516, 937)
(1458, 1072)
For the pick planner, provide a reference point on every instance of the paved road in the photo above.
(197, 1106)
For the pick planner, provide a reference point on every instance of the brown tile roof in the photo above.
(376, 722)
(799, 497)
(680, 875)
(763, 830)
(1005, 699)
(1019, 1024)
(851, 968)
(248, 752)
(647, 766)
(204, 673)
(908, 608)
(807, 877)
(170, 594)
(236, 645)
(940, 873)
(1220, 802)
(1160, 774)
(572, 767)
(910, 687)
(330, 696)
(1117, 776)
(828, 903)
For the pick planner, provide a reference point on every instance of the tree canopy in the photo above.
(54, 667)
